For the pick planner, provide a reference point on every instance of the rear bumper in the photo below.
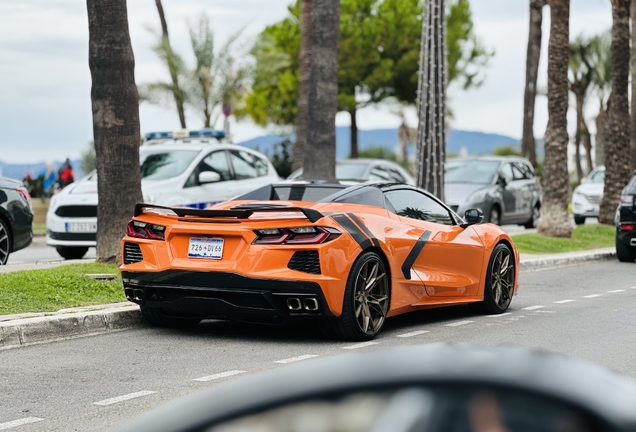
(223, 295)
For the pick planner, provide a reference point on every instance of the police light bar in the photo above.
(184, 133)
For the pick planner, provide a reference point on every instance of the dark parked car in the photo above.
(16, 218)
(626, 223)
(504, 188)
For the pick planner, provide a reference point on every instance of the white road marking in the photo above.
(360, 345)
(499, 315)
(295, 359)
(545, 311)
(616, 291)
(413, 333)
(219, 376)
(564, 301)
(592, 296)
(533, 307)
(16, 423)
(124, 398)
(459, 323)
(634, 287)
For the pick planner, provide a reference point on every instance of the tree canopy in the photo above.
(378, 57)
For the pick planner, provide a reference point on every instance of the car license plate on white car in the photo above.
(211, 248)
(81, 227)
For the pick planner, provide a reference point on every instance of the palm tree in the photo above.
(303, 87)
(601, 61)
(617, 165)
(218, 79)
(431, 131)
(528, 149)
(320, 155)
(115, 104)
(582, 72)
(172, 66)
(555, 220)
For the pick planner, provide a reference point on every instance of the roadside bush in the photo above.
(281, 157)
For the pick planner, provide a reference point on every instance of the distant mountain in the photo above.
(19, 171)
(459, 141)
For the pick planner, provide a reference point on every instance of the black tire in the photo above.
(159, 319)
(5, 242)
(625, 253)
(534, 219)
(71, 252)
(495, 215)
(579, 220)
(349, 325)
(497, 301)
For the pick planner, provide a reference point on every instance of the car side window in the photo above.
(379, 173)
(261, 166)
(415, 205)
(506, 173)
(517, 173)
(215, 162)
(523, 170)
(396, 175)
(243, 164)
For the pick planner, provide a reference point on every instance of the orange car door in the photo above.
(447, 258)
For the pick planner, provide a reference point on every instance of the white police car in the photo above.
(184, 168)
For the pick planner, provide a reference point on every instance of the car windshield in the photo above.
(165, 165)
(597, 177)
(350, 170)
(471, 171)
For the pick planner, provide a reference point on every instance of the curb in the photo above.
(37, 328)
(546, 263)
(67, 324)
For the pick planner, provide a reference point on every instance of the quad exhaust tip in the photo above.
(308, 304)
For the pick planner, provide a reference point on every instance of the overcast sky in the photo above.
(45, 82)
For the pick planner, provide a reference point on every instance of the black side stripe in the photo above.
(352, 229)
(364, 228)
(415, 252)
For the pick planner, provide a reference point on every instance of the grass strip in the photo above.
(50, 290)
(584, 237)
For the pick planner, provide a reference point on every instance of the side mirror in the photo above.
(472, 217)
(502, 181)
(209, 177)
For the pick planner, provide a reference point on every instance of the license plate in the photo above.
(81, 227)
(211, 248)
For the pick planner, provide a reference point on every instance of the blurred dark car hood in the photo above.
(457, 193)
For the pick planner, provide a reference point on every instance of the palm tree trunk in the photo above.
(587, 145)
(633, 71)
(175, 79)
(431, 131)
(577, 134)
(115, 105)
(617, 145)
(303, 87)
(320, 155)
(601, 135)
(354, 133)
(555, 220)
(528, 148)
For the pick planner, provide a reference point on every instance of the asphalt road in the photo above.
(96, 383)
(39, 252)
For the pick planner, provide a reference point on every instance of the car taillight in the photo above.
(25, 194)
(298, 235)
(145, 230)
(627, 200)
(627, 227)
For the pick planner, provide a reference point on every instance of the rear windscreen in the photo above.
(303, 193)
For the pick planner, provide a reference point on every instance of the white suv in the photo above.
(193, 172)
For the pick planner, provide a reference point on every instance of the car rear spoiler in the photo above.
(239, 212)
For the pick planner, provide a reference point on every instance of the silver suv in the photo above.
(504, 188)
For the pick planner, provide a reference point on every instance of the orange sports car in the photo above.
(350, 256)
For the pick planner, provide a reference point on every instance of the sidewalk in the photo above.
(41, 327)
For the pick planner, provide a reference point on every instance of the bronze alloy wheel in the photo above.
(5, 243)
(371, 296)
(502, 278)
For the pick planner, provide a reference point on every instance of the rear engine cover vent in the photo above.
(132, 253)
(305, 261)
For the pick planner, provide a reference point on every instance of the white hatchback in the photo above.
(191, 172)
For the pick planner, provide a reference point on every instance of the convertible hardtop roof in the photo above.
(316, 191)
